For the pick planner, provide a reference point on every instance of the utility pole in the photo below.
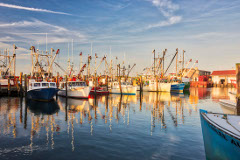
(238, 87)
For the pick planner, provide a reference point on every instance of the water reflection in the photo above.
(72, 123)
(39, 108)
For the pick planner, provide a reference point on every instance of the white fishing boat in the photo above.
(127, 88)
(157, 87)
(75, 89)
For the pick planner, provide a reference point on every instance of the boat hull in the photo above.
(42, 94)
(125, 91)
(177, 87)
(162, 87)
(218, 144)
(228, 107)
(80, 93)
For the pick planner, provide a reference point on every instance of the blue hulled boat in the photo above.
(221, 135)
(43, 91)
(178, 87)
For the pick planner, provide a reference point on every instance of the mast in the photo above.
(91, 48)
(183, 60)
(46, 42)
(176, 60)
(154, 62)
(72, 52)
(14, 56)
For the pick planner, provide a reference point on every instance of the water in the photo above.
(156, 126)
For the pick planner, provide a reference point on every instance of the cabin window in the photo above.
(52, 84)
(45, 84)
(73, 83)
(83, 83)
(36, 84)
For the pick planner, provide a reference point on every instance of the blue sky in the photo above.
(207, 29)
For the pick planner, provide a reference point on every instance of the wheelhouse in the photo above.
(37, 85)
(73, 84)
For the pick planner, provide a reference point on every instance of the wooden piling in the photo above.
(66, 86)
(21, 89)
(120, 85)
(9, 87)
(25, 84)
(157, 83)
(140, 80)
(95, 84)
(107, 82)
(238, 87)
(0, 89)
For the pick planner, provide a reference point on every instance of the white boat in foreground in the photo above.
(75, 89)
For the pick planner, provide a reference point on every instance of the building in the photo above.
(223, 77)
(194, 73)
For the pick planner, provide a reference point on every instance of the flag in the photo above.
(58, 51)
(196, 61)
(153, 51)
(96, 55)
(16, 47)
(190, 60)
(80, 53)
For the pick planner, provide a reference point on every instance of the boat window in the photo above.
(78, 84)
(73, 83)
(36, 84)
(83, 84)
(45, 84)
(52, 84)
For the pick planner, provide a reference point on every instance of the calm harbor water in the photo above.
(154, 126)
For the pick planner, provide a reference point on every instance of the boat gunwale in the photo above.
(214, 124)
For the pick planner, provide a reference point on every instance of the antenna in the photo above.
(72, 50)
(46, 42)
(91, 49)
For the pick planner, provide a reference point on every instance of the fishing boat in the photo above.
(43, 91)
(99, 91)
(127, 88)
(75, 89)
(221, 135)
(157, 87)
(177, 87)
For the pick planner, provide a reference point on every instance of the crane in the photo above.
(191, 67)
(131, 69)
(60, 67)
(50, 66)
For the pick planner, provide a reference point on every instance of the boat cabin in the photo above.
(37, 85)
(72, 84)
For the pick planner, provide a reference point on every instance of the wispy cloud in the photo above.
(167, 8)
(31, 9)
(35, 31)
(172, 20)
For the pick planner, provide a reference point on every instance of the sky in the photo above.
(208, 30)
